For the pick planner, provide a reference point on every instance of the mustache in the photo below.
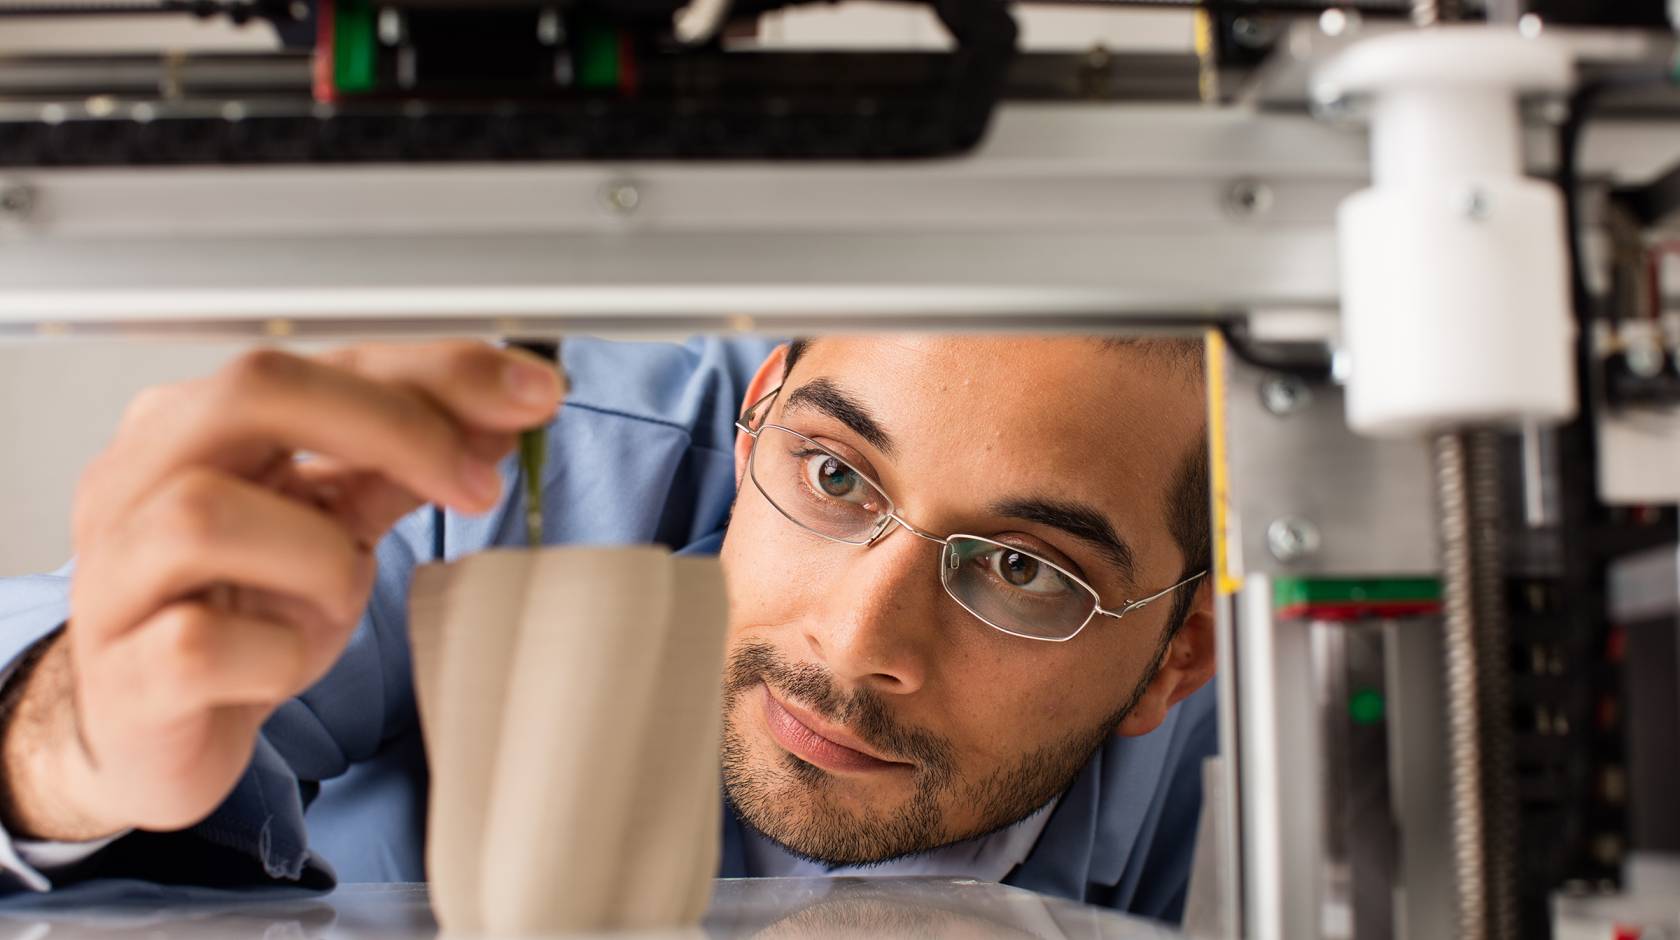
(863, 712)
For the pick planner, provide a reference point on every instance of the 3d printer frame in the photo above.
(1096, 217)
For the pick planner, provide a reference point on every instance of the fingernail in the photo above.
(531, 383)
(482, 480)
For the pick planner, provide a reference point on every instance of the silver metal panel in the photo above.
(1645, 586)
(1360, 833)
(1229, 805)
(1280, 756)
(1069, 217)
(1417, 753)
(1638, 452)
(1366, 505)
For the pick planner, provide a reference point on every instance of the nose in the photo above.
(879, 623)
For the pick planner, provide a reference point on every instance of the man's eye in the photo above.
(828, 476)
(1026, 573)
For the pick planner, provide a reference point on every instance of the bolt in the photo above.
(1284, 395)
(1291, 539)
(1341, 366)
(548, 27)
(1333, 22)
(1253, 33)
(1551, 110)
(389, 26)
(1607, 849)
(18, 200)
(1095, 79)
(1329, 104)
(1245, 198)
(1644, 357)
(623, 197)
(1474, 204)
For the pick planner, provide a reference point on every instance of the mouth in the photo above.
(796, 730)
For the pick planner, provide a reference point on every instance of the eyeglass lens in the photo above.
(1006, 586)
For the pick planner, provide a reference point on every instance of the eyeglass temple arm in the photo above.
(752, 415)
(1130, 606)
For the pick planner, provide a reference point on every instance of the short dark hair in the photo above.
(1188, 497)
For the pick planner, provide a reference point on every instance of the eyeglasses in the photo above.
(1007, 587)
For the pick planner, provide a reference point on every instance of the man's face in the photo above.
(867, 715)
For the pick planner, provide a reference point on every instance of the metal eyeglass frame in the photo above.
(757, 414)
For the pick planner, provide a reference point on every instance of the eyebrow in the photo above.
(823, 396)
(1080, 521)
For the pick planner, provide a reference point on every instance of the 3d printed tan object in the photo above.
(569, 699)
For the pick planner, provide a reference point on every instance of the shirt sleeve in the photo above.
(256, 837)
(31, 609)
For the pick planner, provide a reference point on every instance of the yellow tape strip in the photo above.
(1225, 580)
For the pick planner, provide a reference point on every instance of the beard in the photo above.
(795, 804)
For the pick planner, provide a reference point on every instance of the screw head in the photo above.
(1246, 198)
(1253, 32)
(1336, 21)
(389, 26)
(1329, 104)
(622, 197)
(18, 200)
(1292, 539)
(1475, 205)
(1645, 357)
(1284, 395)
(1552, 110)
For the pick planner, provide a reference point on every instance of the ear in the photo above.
(768, 376)
(1186, 667)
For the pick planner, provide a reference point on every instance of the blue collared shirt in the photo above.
(336, 789)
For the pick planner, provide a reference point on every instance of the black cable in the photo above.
(1650, 203)
(238, 10)
(112, 8)
(1379, 8)
(1581, 105)
(1309, 364)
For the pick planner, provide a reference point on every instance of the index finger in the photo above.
(480, 385)
(269, 403)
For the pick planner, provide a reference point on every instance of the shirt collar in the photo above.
(986, 858)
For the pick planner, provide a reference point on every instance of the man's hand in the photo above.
(217, 576)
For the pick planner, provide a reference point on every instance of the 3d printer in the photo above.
(1449, 638)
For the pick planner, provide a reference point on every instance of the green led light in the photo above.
(598, 65)
(354, 42)
(1367, 707)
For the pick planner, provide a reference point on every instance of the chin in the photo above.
(824, 817)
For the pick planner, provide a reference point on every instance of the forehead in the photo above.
(998, 417)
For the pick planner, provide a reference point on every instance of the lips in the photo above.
(796, 730)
